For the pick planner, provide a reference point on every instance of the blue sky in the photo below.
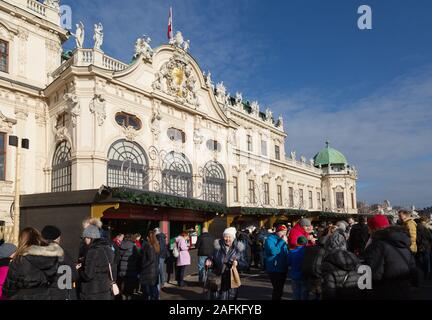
(368, 91)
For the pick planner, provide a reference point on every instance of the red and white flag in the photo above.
(170, 25)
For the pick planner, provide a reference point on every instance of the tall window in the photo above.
(235, 188)
(352, 200)
(4, 56)
(340, 200)
(263, 147)
(61, 177)
(266, 193)
(277, 152)
(214, 182)
(127, 165)
(301, 198)
(249, 142)
(319, 200)
(252, 191)
(291, 196)
(279, 194)
(310, 200)
(2, 156)
(177, 175)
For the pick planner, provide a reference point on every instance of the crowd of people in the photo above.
(328, 261)
(322, 262)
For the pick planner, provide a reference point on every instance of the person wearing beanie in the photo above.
(302, 228)
(294, 260)
(227, 260)
(52, 234)
(276, 260)
(6, 253)
(391, 260)
(94, 271)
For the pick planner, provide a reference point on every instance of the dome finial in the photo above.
(327, 143)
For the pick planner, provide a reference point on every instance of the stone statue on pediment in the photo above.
(293, 155)
(142, 46)
(79, 35)
(238, 99)
(269, 114)
(98, 36)
(255, 108)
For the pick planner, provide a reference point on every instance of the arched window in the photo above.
(214, 182)
(127, 165)
(61, 177)
(177, 175)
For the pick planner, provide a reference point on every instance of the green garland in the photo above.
(164, 200)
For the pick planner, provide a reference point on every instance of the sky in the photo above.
(369, 92)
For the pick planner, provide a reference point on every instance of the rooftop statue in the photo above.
(79, 35)
(255, 108)
(220, 90)
(269, 114)
(238, 99)
(52, 3)
(179, 42)
(142, 46)
(98, 36)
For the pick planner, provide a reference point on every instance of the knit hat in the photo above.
(378, 221)
(302, 240)
(6, 250)
(305, 222)
(51, 232)
(281, 227)
(230, 231)
(91, 232)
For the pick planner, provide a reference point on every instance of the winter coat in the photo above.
(411, 226)
(340, 276)
(359, 235)
(392, 263)
(276, 254)
(424, 238)
(184, 258)
(34, 275)
(129, 260)
(295, 260)
(223, 257)
(149, 265)
(4, 268)
(296, 232)
(205, 245)
(163, 246)
(94, 273)
(243, 237)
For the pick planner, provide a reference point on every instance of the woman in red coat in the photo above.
(302, 228)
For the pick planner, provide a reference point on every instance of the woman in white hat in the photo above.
(228, 258)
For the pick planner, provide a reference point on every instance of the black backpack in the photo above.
(312, 261)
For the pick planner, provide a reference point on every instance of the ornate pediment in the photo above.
(176, 78)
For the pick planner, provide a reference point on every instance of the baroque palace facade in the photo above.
(157, 124)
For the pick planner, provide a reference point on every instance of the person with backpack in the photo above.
(181, 252)
(33, 271)
(339, 272)
(276, 260)
(390, 258)
(295, 258)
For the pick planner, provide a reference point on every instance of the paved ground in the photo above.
(255, 286)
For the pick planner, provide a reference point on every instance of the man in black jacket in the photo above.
(205, 246)
(359, 236)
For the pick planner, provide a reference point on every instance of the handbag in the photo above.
(235, 278)
(176, 252)
(114, 287)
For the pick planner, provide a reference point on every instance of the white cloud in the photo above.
(387, 135)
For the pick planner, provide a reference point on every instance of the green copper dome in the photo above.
(328, 156)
